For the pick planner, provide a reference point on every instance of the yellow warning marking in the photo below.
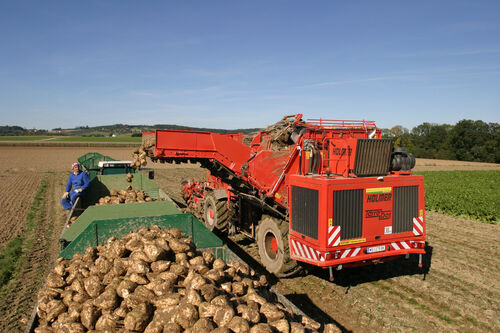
(421, 213)
(352, 241)
(330, 222)
(379, 190)
(308, 153)
(277, 195)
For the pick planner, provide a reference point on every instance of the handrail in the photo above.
(333, 123)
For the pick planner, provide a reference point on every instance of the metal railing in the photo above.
(342, 124)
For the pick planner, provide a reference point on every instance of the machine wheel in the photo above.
(274, 252)
(215, 213)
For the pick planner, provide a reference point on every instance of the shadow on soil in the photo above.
(351, 277)
(302, 301)
(179, 204)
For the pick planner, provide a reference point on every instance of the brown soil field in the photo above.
(425, 164)
(44, 159)
(41, 249)
(17, 189)
(458, 289)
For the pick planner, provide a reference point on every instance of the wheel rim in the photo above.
(210, 215)
(271, 245)
(274, 245)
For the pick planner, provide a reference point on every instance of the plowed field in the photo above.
(41, 248)
(17, 189)
(458, 289)
(43, 159)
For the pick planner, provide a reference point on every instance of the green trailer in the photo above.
(97, 232)
(96, 224)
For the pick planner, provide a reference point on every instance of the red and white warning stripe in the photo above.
(305, 251)
(349, 252)
(418, 226)
(334, 236)
(400, 245)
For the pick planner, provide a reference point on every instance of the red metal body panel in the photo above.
(197, 144)
(377, 215)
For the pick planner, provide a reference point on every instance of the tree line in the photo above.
(18, 130)
(468, 140)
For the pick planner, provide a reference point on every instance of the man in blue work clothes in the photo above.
(78, 182)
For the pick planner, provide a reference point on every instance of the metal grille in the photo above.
(305, 211)
(348, 213)
(405, 208)
(372, 157)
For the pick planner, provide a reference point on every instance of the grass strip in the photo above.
(73, 138)
(12, 256)
(23, 138)
(98, 139)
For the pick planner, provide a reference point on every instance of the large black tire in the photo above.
(274, 252)
(215, 213)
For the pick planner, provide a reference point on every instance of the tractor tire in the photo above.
(274, 251)
(215, 213)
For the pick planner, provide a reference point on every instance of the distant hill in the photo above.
(18, 130)
(109, 130)
(467, 140)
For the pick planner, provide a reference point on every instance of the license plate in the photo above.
(376, 249)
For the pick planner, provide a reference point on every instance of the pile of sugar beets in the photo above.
(125, 196)
(154, 280)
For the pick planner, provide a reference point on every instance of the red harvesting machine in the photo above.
(327, 193)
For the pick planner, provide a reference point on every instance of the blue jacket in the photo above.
(81, 180)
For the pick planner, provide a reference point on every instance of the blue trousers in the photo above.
(70, 201)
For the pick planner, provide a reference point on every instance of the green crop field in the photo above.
(23, 138)
(97, 139)
(474, 194)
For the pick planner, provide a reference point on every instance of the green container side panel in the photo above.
(99, 231)
(118, 171)
(87, 156)
(153, 208)
(224, 253)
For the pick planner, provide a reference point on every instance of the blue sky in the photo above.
(235, 64)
